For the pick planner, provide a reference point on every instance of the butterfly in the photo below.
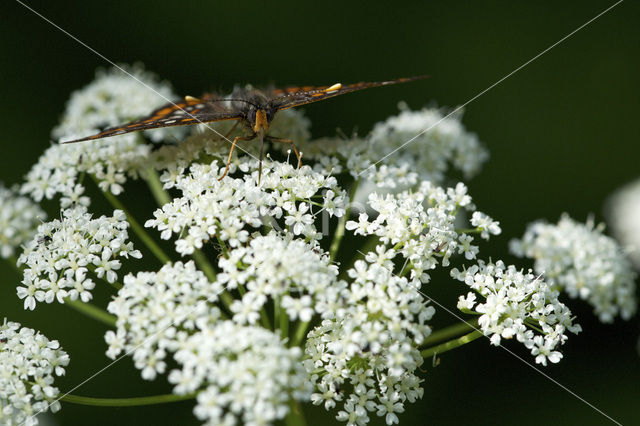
(254, 109)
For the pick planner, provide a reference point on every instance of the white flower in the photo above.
(299, 307)
(297, 274)
(623, 216)
(390, 405)
(369, 349)
(154, 308)
(298, 219)
(517, 304)
(584, 262)
(466, 302)
(19, 217)
(485, 224)
(58, 257)
(245, 372)
(29, 363)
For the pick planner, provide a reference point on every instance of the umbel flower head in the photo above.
(277, 290)
(29, 363)
(58, 259)
(579, 259)
(517, 304)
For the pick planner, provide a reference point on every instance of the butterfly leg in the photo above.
(283, 140)
(233, 146)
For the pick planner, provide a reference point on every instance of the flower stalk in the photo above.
(138, 229)
(451, 331)
(339, 233)
(92, 311)
(452, 344)
(126, 402)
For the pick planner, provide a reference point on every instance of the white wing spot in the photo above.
(333, 88)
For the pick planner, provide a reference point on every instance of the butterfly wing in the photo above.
(183, 112)
(295, 96)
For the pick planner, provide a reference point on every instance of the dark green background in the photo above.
(563, 134)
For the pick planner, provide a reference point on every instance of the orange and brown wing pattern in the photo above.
(189, 110)
(294, 96)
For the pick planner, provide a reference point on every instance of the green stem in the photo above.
(92, 311)
(337, 239)
(206, 267)
(264, 318)
(276, 312)
(452, 344)
(204, 264)
(301, 332)
(451, 331)
(126, 402)
(284, 324)
(467, 231)
(114, 284)
(156, 187)
(138, 229)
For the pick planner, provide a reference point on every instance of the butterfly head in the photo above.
(260, 118)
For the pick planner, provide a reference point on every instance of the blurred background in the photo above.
(563, 134)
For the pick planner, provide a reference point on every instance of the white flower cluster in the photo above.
(247, 374)
(366, 356)
(584, 262)
(239, 372)
(29, 363)
(415, 145)
(623, 216)
(514, 305)
(19, 217)
(364, 353)
(56, 261)
(436, 140)
(208, 208)
(155, 311)
(289, 271)
(112, 98)
(421, 226)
